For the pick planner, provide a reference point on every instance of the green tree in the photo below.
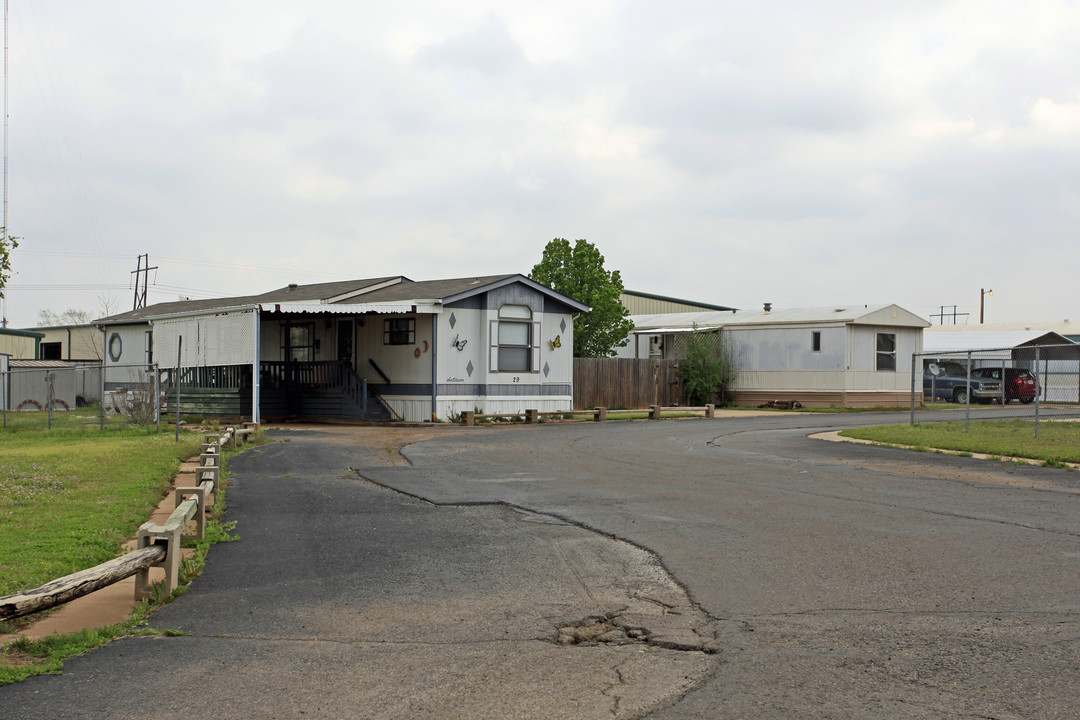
(7, 244)
(578, 272)
(707, 369)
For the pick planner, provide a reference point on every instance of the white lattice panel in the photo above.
(225, 339)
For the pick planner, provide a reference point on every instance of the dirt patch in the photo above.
(388, 439)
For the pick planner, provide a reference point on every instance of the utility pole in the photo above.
(7, 230)
(982, 302)
(144, 273)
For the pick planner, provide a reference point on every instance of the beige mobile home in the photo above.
(843, 356)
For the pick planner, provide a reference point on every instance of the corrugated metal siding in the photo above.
(17, 346)
(650, 306)
(783, 349)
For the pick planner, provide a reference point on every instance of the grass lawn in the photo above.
(69, 496)
(1058, 442)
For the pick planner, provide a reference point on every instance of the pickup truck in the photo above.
(949, 383)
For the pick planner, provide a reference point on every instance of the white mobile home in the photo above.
(848, 356)
(365, 349)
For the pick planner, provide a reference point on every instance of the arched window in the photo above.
(515, 339)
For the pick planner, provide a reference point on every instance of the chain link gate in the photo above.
(1039, 383)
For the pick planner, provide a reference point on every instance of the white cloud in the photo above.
(801, 153)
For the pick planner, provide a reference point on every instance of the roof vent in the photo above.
(839, 309)
(293, 286)
(768, 307)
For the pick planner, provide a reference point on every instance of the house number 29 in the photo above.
(517, 379)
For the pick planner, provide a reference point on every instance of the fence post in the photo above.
(176, 383)
(151, 534)
(467, 417)
(710, 411)
(654, 412)
(600, 414)
(532, 416)
(1038, 390)
(104, 354)
(967, 388)
(912, 421)
(157, 396)
(49, 379)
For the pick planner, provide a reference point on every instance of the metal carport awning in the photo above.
(315, 308)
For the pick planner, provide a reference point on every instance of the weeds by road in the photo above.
(1058, 442)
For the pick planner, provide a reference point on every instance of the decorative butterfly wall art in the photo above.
(556, 343)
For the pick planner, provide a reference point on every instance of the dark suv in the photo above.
(1019, 384)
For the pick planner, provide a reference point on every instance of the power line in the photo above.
(196, 263)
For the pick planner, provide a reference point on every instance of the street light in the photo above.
(982, 302)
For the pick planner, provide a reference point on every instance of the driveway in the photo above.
(823, 580)
(847, 581)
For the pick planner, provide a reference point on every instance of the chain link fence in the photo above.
(1039, 383)
(45, 393)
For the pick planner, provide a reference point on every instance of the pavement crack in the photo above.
(620, 681)
(581, 581)
(621, 628)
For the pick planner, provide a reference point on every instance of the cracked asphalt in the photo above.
(728, 568)
(846, 581)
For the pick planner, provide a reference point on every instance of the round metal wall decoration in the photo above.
(116, 347)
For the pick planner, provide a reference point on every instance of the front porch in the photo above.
(288, 390)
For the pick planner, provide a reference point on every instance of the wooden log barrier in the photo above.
(76, 585)
(158, 546)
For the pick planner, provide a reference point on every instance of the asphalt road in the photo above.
(846, 581)
(824, 580)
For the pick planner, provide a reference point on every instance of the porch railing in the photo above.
(336, 376)
(316, 375)
(212, 376)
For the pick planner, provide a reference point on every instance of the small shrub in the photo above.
(708, 370)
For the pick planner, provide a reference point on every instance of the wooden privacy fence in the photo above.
(625, 383)
(599, 414)
(156, 545)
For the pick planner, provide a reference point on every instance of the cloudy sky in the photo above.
(806, 154)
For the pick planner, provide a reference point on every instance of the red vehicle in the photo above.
(1019, 384)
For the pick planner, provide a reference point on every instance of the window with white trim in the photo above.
(886, 351)
(515, 338)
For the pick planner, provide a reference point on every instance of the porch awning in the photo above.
(316, 308)
(676, 330)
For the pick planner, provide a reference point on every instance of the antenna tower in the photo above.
(144, 273)
(942, 315)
